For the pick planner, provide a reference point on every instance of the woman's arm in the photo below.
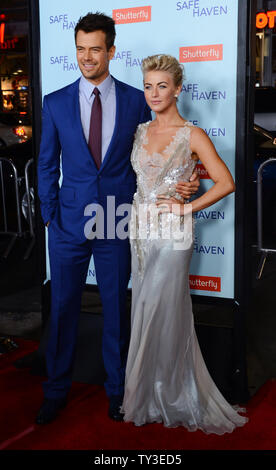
(216, 168)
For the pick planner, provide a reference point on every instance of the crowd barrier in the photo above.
(263, 250)
(12, 187)
(30, 205)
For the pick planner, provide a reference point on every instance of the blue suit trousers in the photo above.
(68, 275)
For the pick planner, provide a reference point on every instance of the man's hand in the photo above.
(187, 189)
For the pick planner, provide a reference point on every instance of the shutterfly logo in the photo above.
(132, 15)
(201, 53)
(205, 283)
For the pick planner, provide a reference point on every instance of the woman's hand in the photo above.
(169, 205)
(189, 188)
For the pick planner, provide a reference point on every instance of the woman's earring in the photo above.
(176, 96)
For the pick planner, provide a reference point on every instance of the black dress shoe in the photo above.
(115, 403)
(49, 410)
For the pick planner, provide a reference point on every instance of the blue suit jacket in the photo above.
(82, 182)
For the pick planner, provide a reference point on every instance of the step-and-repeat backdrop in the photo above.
(201, 34)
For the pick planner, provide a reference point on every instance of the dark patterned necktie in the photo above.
(95, 130)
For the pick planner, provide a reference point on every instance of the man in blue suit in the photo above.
(91, 124)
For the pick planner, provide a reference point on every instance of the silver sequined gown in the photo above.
(166, 377)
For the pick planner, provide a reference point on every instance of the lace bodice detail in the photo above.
(158, 173)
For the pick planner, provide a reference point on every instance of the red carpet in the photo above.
(84, 425)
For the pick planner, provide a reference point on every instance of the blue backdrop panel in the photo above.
(203, 35)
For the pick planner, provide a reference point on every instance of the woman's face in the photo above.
(160, 90)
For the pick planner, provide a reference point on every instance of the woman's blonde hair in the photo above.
(165, 63)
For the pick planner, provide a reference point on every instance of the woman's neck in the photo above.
(168, 118)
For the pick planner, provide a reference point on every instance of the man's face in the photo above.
(92, 55)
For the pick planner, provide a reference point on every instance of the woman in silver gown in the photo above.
(166, 377)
